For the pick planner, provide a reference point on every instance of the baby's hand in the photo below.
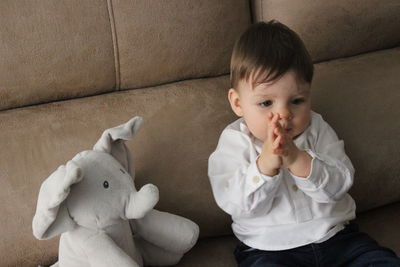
(287, 148)
(269, 162)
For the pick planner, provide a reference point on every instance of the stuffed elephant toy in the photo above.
(103, 220)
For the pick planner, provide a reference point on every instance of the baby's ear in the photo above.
(112, 141)
(234, 100)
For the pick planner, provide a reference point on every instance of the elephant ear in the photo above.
(51, 217)
(112, 141)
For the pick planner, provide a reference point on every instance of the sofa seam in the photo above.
(115, 45)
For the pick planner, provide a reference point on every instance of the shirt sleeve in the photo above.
(332, 172)
(238, 186)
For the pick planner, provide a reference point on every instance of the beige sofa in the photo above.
(71, 68)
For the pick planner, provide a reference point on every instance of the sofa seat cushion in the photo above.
(217, 251)
(383, 225)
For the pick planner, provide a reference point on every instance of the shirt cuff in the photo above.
(255, 179)
(312, 180)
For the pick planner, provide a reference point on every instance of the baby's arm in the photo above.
(331, 173)
(238, 185)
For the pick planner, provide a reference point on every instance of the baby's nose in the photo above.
(285, 114)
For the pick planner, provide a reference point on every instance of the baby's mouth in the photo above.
(286, 128)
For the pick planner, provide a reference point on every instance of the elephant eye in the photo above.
(122, 170)
(105, 184)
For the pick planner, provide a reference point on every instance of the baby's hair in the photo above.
(266, 51)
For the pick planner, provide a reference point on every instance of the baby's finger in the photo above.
(275, 118)
(281, 152)
(278, 151)
(279, 131)
(270, 115)
(270, 125)
(276, 142)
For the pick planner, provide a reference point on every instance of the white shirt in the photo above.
(283, 211)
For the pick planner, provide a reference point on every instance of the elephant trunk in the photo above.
(141, 202)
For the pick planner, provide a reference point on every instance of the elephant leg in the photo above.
(156, 256)
(102, 251)
(168, 231)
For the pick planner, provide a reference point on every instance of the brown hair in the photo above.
(266, 51)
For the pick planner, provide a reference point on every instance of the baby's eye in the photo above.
(266, 103)
(298, 101)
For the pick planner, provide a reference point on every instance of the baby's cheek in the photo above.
(258, 128)
(303, 125)
(261, 133)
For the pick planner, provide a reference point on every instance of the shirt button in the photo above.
(295, 188)
(256, 179)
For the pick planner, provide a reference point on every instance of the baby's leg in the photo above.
(156, 256)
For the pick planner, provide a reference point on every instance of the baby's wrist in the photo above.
(301, 166)
(264, 168)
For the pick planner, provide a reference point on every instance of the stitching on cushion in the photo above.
(115, 45)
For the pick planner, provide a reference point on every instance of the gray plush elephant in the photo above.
(103, 220)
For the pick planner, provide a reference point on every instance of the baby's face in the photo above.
(287, 96)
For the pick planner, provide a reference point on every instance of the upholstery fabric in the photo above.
(53, 50)
(176, 39)
(358, 97)
(182, 122)
(211, 252)
(334, 29)
(382, 224)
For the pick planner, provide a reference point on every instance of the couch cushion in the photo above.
(382, 224)
(176, 39)
(359, 97)
(54, 50)
(333, 29)
(182, 122)
(215, 252)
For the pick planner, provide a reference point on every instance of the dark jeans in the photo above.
(348, 247)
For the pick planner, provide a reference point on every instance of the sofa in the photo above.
(70, 69)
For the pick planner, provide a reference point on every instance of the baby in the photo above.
(280, 170)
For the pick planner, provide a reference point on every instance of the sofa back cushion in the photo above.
(333, 29)
(358, 96)
(85, 47)
(54, 50)
(176, 39)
